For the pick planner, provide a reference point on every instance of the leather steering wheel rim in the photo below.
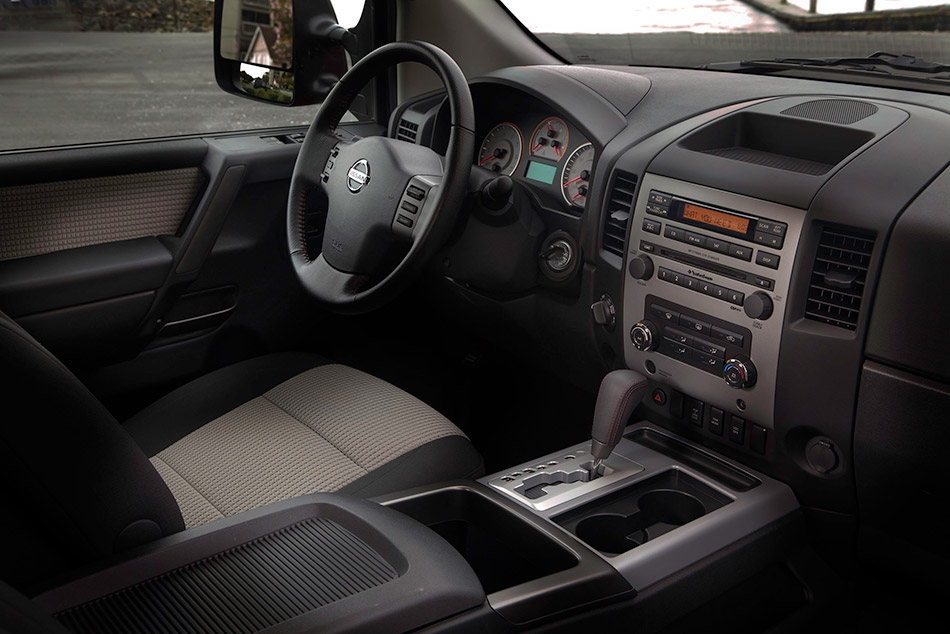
(345, 288)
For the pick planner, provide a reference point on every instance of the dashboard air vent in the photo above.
(620, 199)
(838, 277)
(407, 131)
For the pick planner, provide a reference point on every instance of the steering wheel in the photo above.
(381, 195)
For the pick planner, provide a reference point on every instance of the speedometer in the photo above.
(575, 180)
(501, 149)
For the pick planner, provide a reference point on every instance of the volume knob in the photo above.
(739, 373)
(758, 305)
(643, 337)
(641, 267)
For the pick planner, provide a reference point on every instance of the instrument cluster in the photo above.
(552, 156)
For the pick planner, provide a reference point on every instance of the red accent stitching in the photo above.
(621, 405)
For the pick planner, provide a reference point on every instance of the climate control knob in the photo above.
(644, 337)
(739, 373)
(758, 305)
(641, 267)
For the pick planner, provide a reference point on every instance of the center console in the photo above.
(705, 298)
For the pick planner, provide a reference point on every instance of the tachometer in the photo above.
(501, 149)
(575, 180)
(549, 139)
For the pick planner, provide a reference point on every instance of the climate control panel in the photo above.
(706, 278)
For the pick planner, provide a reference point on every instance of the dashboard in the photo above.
(735, 241)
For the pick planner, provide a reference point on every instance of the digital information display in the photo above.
(541, 172)
(715, 218)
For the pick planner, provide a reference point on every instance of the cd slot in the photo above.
(721, 269)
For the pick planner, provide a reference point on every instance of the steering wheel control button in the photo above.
(408, 206)
(737, 430)
(758, 305)
(416, 192)
(766, 259)
(404, 220)
(643, 336)
(641, 267)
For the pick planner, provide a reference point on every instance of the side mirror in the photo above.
(285, 52)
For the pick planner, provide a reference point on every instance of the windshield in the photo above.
(696, 32)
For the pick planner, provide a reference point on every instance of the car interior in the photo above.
(372, 374)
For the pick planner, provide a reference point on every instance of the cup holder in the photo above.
(659, 512)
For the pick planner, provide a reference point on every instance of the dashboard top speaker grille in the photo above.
(840, 111)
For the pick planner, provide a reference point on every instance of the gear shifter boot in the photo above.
(620, 393)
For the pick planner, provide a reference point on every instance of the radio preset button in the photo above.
(735, 297)
(727, 336)
(664, 274)
(651, 226)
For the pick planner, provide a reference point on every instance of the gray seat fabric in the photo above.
(319, 431)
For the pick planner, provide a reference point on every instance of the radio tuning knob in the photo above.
(739, 373)
(758, 305)
(643, 336)
(641, 267)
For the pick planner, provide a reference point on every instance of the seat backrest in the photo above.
(74, 486)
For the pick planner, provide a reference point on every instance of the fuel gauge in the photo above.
(549, 140)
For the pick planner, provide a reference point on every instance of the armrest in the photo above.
(320, 562)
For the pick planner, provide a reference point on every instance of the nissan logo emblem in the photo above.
(358, 176)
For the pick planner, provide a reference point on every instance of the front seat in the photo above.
(78, 486)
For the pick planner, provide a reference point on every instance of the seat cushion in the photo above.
(324, 428)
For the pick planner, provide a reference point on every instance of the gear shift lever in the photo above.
(620, 393)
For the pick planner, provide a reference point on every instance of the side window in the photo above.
(89, 71)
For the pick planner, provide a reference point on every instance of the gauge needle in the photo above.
(558, 154)
(536, 146)
(571, 181)
(490, 156)
(576, 195)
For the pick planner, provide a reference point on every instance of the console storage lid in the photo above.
(320, 562)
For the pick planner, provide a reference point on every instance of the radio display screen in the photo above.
(714, 218)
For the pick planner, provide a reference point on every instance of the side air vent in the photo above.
(838, 277)
(620, 199)
(840, 111)
(407, 131)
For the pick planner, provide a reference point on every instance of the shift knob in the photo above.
(620, 393)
